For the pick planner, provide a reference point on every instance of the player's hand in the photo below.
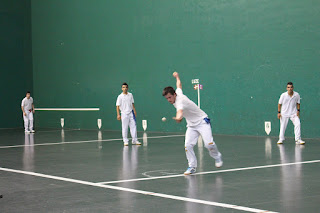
(33, 111)
(24, 113)
(279, 115)
(135, 114)
(298, 114)
(177, 119)
(175, 74)
(118, 117)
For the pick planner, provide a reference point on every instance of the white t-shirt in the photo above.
(27, 103)
(191, 112)
(125, 102)
(289, 104)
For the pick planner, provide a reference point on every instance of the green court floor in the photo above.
(91, 171)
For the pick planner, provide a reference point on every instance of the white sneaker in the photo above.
(190, 170)
(219, 163)
(300, 142)
(27, 131)
(280, 142)
(136, 143)
(32, 131)
(125, 143)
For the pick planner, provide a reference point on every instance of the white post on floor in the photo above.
(197, 86)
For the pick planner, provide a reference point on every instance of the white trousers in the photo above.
(283, 126)
(28, 121)
(192, 135)
(128, 120)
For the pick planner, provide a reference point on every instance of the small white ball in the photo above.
(164, 119)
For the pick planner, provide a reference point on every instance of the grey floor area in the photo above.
(57, 170)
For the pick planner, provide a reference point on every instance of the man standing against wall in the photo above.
(289, 107)
(198, 123)
(27, 108)
(125, 104)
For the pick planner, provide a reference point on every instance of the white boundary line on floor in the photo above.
(173, 197)
(56, 130)
(67, 109)
(77, 142)
(211, 172)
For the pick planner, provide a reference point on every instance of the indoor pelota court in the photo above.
(83, 79)
(69, 170)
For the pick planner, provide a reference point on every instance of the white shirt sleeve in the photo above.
(281, 99)
(179, 103)
(179, 107)
(179, 91)
(132, 99)
(22, 102)
(298, 99)
(179, 99)
(118, 103)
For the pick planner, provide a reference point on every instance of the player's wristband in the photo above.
(298, 110)
(279, 112)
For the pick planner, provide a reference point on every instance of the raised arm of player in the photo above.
(176, 75)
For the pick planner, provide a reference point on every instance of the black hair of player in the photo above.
(168, 90)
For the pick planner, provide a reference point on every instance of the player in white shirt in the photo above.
(289, 107)
(27, 108)
(125, 105)
(198, 123)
